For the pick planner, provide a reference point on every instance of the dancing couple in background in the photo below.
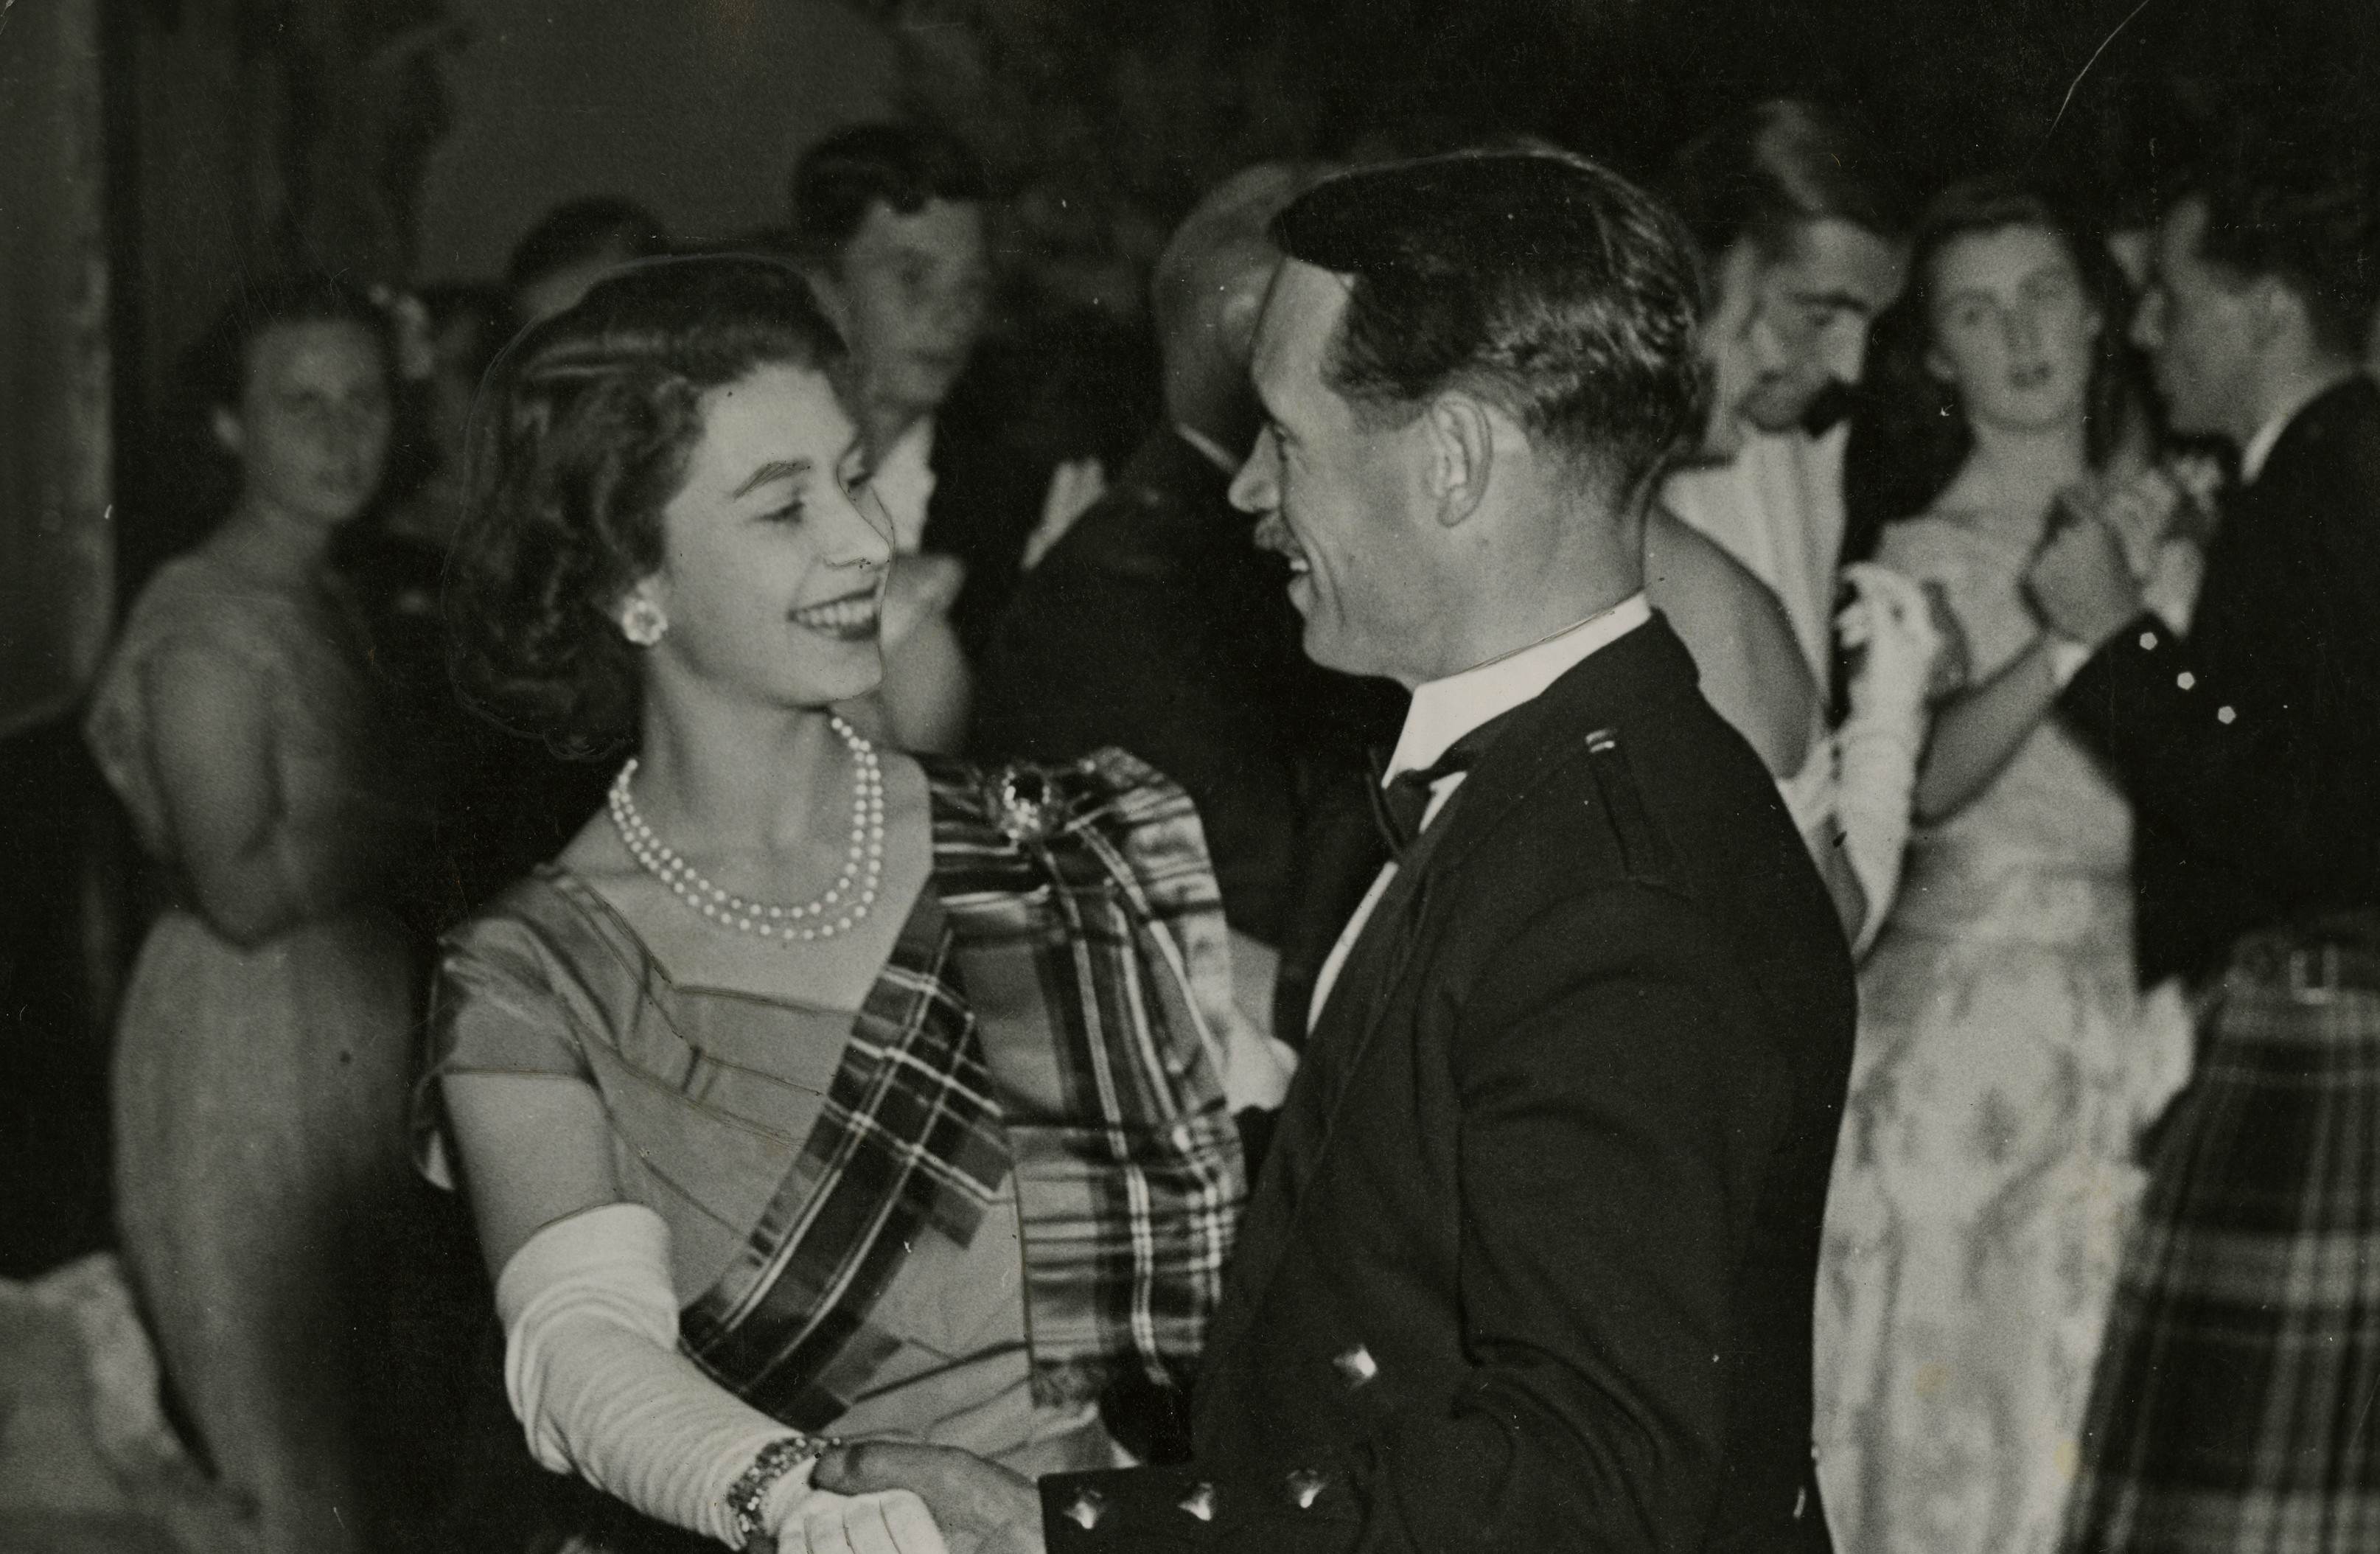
(2044, 1322)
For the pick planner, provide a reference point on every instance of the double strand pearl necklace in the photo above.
(861, 867)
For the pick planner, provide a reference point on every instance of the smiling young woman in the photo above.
(812, 1085)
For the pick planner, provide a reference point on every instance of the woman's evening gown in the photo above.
(1985, 1181)
(259, 1093)
(910, 1219)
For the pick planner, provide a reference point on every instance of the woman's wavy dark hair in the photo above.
(576, 443)
(1910, 436)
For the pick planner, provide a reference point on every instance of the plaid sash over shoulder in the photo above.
(1060, 1013)
(1093, 943)
(909, 1138)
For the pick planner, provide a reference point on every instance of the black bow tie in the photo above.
(1400, 803)
(1833, 407)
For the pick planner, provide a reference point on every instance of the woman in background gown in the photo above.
(261, 1052)
(1985, 1183)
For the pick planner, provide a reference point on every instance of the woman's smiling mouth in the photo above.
(856, 617)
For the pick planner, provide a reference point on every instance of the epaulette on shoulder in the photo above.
(1643, 852)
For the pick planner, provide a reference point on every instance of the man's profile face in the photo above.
(1331, 490)
(2196, 323)
(909, 293)
(1785, 325)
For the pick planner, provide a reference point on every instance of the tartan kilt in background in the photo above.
(2233, 1408)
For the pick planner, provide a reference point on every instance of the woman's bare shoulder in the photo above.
(1741, 641)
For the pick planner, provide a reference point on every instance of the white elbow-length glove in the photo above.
(1878, 746)
(593, 1371)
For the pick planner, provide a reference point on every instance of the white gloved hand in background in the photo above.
(1908, 655)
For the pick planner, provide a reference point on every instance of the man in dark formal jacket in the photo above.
(1530, 1267)
(2249, 746)
(1157, 625)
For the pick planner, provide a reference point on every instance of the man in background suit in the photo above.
(1158, 626)
(887, 224)
(890, 224)
(2232, 1407)
(1530, 1267)
(1801, 224)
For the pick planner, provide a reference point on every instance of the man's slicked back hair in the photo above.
(1768, 169)
(1545, 284)
(2305, 209)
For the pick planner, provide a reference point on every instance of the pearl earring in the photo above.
(643, 622)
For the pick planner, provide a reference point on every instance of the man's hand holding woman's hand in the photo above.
(893, 1522)
(915, 589)
(2081, 583)
(979, 1507)
(2141, 511)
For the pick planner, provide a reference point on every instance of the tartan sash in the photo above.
(1056, 1007)
(909, 1138)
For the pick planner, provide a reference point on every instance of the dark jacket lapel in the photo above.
(1641, 674)
(1545, 736)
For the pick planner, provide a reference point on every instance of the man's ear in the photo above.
(229, 434)
(1462, 454)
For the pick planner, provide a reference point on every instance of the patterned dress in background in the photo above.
(1984, 1185)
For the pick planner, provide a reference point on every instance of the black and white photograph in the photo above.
(1189, 776)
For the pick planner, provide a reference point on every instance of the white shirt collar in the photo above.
(903, 482)
(1444, 711)
(2260, 446)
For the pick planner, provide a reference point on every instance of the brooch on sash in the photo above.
(1025, 804)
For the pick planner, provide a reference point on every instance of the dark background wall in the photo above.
(1105, 120)
(54, 547)
(697, 110)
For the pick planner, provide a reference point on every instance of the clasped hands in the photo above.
(920, 1499)
(2089, 578)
